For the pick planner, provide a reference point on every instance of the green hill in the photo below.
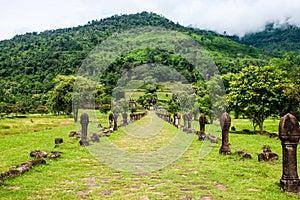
(30, 62)
(276, 40)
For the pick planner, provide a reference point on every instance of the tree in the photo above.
(290, 63)
(148, 100)
(71, 93)
(60, 98)
(258, 93)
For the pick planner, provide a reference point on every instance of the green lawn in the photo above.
(80, 175)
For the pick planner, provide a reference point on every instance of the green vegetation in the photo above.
(30, 63)
(258, 93)
(276, 39)
(37, 74)
(219, 176)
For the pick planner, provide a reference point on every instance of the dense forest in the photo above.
(34, 65)
(275, 39)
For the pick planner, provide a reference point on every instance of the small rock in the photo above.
(206, 198)
(38, 154)
(72, 133)
(54, 155)
(58, 140)
(247, 155)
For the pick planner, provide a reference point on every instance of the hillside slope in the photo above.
(276, 40)
(30, 62)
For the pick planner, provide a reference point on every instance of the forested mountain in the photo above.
(30, 62)
(275, 39)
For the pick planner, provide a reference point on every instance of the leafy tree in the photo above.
(290, 63)
(147, 100)
(71, 93)
(60, 98)
(104, 109)
(217, 96)
(258, 93)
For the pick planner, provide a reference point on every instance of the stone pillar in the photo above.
(111, 120)
(84, 121)
(115, 121)
(179, 117)
(131, 117)
(225, 123)
(189, 122)
(289, 134)
(185, 122)
(202, 122)
(124, 115)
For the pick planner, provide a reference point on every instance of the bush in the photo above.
(104, 109)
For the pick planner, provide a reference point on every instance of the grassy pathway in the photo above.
(80, 175)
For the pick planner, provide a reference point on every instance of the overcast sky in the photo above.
(232, 16)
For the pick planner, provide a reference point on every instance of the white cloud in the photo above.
(234, 16)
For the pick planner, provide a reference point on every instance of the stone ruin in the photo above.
(267, 155)
(225, 123)
(84, 121)
(289, 134)
(202, 122)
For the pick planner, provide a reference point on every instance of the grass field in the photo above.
(80, 175)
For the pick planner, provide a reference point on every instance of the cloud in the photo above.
(232, 16)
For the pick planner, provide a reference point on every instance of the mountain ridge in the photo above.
(30, 62)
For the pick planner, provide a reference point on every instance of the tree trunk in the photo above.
(261, 126)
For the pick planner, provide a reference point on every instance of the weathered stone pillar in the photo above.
(289, 134)
(225, 123)
(115, 121)
(131, 117)
(84, 121)
(189, 122)
(179, 117)
(125, 116)
(185, 119)
(111, 120)
(202, 122)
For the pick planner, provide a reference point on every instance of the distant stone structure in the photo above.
(84, 121)
(115, 117)
(225, 123)
(189, 122)
(125, 116)
(202, 122)
(111, 120)
(289, 134)
(185, 119)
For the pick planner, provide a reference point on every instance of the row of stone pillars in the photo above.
(113, 119)
(289, 134)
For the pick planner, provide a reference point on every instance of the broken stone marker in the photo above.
(84, 121)
(38, 154)
(225, 123)
(289, 134)
(267, 155)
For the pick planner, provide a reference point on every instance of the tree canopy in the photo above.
(258, 93)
